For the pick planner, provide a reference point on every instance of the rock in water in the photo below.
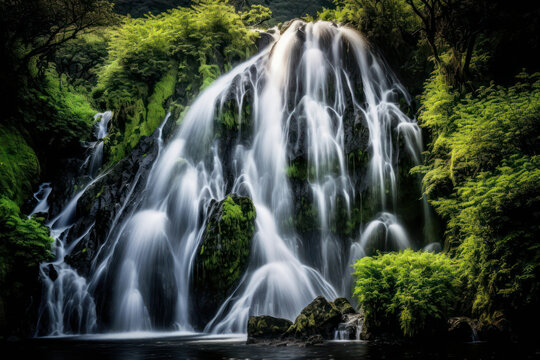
(266, 327)
(318, 318)
(223, 255)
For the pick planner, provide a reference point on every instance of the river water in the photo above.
(109, 347)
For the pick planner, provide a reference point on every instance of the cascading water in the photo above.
(303, 92)
(68, 306)
(96, 158)
(42, 196)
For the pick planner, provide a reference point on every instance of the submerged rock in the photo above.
(223, 255)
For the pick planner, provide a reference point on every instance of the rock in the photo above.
(462, 329)
(223, 255)
(265, 39)
(344, 306)
(266, 327)
(314, 340)
(318, 318)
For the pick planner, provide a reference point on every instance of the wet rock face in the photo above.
(223, 256)
(266, 327)
(108, 202)
(321, 317)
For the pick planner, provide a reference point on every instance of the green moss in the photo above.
(178, 52)
(19, 166)
(320, 317)
(163, 90)
(224, 253)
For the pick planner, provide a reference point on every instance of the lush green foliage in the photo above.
(24, 244)
(56, 118)
(411, 291)
(19, 166)
(178, 52)
(483, 176)
(81, 58)
(285, 10)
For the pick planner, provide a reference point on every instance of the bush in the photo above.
(411, 293)
(482, 176)
(57, 116)
(24, 244)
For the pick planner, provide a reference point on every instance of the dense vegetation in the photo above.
(468, 64)
(177, 52)
(481, 115)
(409, 293)
(482, 173)
(283, 10)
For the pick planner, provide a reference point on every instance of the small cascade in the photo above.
(67, 305)
(296, 102)
(41, 196)
(100, 132)
(474, 334)
(351, 328)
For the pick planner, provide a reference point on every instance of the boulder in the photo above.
(344, 306)
(266, 327)
(462, 329)
(320, 317)
(223, 255)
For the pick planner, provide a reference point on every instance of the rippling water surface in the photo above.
(185, 346)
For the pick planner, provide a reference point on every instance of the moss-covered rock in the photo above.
(344, 306)
(224, 253)
(266, 327)
(320, 317)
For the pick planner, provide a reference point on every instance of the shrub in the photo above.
(482, 176)
(24, 244)
(408, 292)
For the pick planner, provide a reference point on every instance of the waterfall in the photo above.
(96, 158)
(42, 196)
(304, 92)
(68, 307)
